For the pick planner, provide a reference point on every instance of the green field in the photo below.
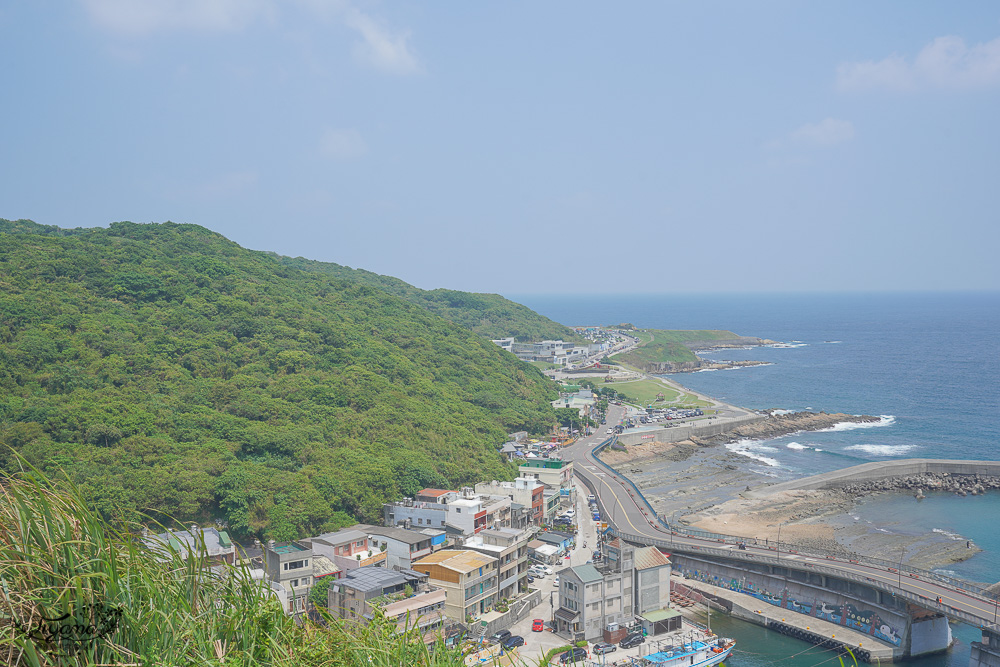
(644, 392)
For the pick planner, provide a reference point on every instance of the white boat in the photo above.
(695, 653)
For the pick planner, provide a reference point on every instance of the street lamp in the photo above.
(779, 541)
(899, 570)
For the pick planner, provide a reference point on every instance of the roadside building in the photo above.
(469, 579)
(541, 552)
(553, 473)
(510, 547)
(652, 592)
(596, 601)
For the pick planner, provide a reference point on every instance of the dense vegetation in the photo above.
(166, 368)
(659, 346)
(78, 591)
(489, 315)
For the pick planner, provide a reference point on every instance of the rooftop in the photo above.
(288, 548)
(554, 464)
(399, 534)
(458, 560)
(434, 493)
(588, 574)
(649, 557)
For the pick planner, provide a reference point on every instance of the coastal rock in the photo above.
(777, 425)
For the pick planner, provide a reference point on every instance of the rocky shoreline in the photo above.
(778, 424)
(961, 485)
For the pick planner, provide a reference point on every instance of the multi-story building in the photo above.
(553, 473)
(469, 579)
(510, 547)
(401, 546)
(652, 592)
(526, 491)
(463, 513)
(591, 598)
(349, 548)
(289, 565)
(403, 596)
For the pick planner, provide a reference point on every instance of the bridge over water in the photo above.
(901, 607)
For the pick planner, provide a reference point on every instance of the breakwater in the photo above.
(941, 474)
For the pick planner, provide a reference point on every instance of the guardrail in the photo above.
(788, 547)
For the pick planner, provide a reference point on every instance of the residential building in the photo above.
(593, 597)
(526, 491)
(560, 540)
(404, 596)
(214, 544)
(541, 552)
(289, 565)
(651, 584)
(469, 579)
(510, 547)
(461, 514)
(401, 546)
(553, 473)
(349, 548)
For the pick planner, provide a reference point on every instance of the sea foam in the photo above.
(884, 420)
(751, 449)
(882, 450)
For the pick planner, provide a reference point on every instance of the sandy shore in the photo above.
(701, 483)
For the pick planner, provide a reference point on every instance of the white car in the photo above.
(570, 513)
(555, 582)
(544, 569)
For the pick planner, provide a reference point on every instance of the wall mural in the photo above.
(863, 620)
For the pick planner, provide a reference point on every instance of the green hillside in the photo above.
(659, 346)
(165, 367)
(489, 315)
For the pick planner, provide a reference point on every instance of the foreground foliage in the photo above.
(77, 591)
(167, 369)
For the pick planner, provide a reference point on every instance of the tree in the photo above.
(318, 594)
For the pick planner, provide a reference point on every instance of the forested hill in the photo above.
(489, 315)
(165, 367)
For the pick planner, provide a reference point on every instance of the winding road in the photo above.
(632, 519)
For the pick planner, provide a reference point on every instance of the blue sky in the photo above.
(525, 147)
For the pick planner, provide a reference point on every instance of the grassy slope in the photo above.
(165, 367)
(661, 346)
(489, 315)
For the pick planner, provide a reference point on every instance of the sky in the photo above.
(525, 147)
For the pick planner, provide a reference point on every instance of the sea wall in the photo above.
(871, 472)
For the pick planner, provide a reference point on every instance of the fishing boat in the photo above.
(696, 653)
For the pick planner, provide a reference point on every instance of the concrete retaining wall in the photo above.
(867, 472)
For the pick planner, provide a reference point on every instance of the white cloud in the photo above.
(140, 17)
(827, 132)
(342, 144)
(945, 63)
(381, 48)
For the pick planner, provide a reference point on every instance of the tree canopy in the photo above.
(164, 368)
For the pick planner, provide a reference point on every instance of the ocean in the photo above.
(927, 364)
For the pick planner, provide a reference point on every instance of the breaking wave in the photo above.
(949, 535)
(884, 420)
(882, 450)
(752, 449)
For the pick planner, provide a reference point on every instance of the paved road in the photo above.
(629, 515)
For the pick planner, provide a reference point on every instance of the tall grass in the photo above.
(77, 591)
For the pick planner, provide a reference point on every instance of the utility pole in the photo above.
(899, 570)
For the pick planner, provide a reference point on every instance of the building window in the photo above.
(296, 564)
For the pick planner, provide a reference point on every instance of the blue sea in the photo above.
(927, 364)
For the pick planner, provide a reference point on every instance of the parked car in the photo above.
(573, 655)
(555, 582)
(537, 625)
(531, 579)
(511, 642)
(544, 568)
(601, 648)
(631, 640)
(500, 636)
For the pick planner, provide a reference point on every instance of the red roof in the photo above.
(436, 493)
